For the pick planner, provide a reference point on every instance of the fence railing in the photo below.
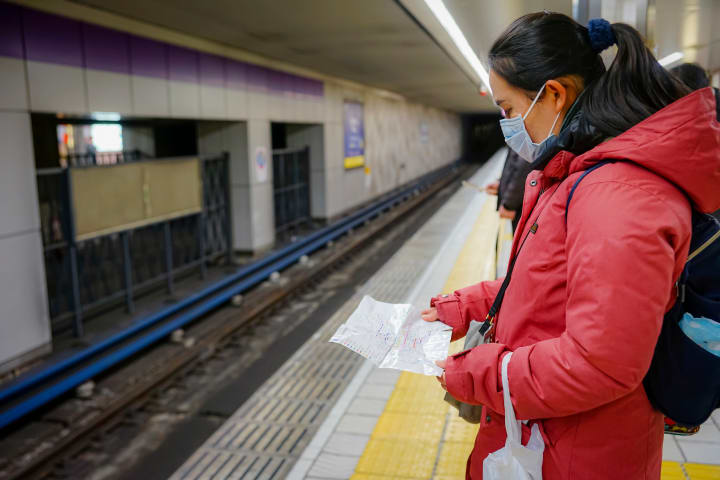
(291, 189)
(102, 158)
(85, 276)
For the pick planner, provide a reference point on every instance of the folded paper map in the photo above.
(393, 335)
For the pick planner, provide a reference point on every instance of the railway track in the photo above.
(133, 372)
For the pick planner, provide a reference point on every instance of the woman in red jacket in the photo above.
(589, 287)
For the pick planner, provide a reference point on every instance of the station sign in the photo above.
(354, 124)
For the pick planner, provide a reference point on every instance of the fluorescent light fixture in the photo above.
(672, 58)
(105, 116)
(448, 22)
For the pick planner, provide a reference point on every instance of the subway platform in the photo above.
(330, 414)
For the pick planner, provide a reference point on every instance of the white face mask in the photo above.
(517, 137)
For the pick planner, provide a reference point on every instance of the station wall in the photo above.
(54, 64)
(67, 59)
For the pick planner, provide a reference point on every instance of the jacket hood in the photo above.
(680, 143)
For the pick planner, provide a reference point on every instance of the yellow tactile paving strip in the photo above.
(698, 471)
(418, 435)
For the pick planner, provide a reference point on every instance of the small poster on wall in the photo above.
(261, 164)
(354, 135)
(424, 132)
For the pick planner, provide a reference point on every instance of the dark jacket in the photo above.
(512, 182)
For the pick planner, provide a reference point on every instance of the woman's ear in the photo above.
(557, 94)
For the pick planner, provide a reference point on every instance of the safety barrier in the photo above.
(214, 296)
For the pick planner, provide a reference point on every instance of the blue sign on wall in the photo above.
(354, 135)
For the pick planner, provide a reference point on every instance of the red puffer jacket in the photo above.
(584, 309)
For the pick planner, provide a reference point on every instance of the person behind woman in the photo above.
(510, 189)
(692, 75)
(589, 287)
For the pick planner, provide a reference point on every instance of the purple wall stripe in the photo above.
(235, 74)
(38, 36)
(298, 84)
(148, 58)
(276, 81)
(182, 64)
(11, 43)
(257, 77)
(106, 49)
(53, 39)
(212, 70)
(308, 86)
(301, 86)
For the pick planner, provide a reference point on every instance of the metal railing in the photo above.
(85, 276)
(291, 189)
(102, 158)
(42, 385)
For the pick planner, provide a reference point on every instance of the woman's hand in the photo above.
(429, 315)
(492, 188)
(441, 378)
(505, 213)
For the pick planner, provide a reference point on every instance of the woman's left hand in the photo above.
(429, 315)
(441, 378)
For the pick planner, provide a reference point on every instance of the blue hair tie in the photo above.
(601, 34)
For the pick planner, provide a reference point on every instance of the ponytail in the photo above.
(634, 87)
(541, 46)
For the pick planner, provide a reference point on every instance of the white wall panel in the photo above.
(184, 99)
(213, 102)
(108, 91)
(151, 96)
(242, 218)
(18, 190)
(257, 105)
(56, 88)
(263, 215)
(237, 108)
(13, 84)
(25, 324)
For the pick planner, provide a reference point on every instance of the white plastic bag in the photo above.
(514, 461)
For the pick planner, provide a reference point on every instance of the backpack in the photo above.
(684, 377)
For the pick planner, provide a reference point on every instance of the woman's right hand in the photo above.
(492, 188)
(429, 315)
(505, 213)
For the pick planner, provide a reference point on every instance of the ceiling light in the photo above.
(672, 58)
(448, 22)
(105, 116)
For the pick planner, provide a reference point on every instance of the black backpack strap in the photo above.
(487, 328)
(577, 182)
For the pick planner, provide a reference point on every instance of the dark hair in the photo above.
(692, 75)
(541, 46)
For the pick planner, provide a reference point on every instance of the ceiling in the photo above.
(483, 21)
(373, 42)
(399, 46)
(688, 26)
